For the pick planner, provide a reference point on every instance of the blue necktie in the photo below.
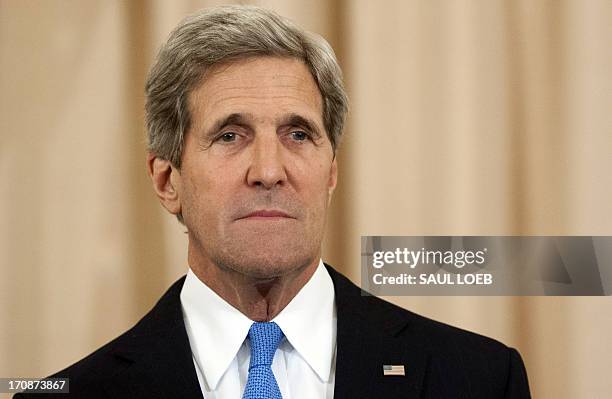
(261, 384)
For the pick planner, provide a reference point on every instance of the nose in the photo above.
(267, 168)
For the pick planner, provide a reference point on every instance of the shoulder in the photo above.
(461, 360)
(385, 314)
(456, 359)
(440, 339)
(86, 377)
(162, 323)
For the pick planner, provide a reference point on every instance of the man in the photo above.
(244, 116)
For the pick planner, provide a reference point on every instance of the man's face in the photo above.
(257, 170)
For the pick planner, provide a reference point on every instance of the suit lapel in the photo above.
(372, 333)
(156, 355)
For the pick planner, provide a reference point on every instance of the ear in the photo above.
(333, 179)
(166, 181)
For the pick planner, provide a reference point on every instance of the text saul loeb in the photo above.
(412, 258)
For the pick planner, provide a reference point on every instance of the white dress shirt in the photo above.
(304, 364)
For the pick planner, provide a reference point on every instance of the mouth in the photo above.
(265, 214)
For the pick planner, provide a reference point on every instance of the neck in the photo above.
(260, 299)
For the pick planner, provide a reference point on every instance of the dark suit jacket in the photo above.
(153, 359)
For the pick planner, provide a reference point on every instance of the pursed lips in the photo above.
(265, 214)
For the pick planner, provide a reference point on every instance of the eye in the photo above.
(299, 135)
(228, 137)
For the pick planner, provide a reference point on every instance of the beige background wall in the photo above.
(467, 118)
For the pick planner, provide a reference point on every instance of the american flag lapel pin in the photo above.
(392, 369)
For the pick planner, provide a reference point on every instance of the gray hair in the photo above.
(221, 34)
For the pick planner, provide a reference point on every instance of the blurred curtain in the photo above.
(467, 118)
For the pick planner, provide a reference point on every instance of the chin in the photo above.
(267, 262)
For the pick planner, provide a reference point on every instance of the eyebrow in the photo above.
(298, 120)
(242, 119)
(237, 119)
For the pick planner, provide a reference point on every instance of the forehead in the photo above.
(259, 85)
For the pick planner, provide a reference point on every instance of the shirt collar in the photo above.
(309, 322)
(216, 329)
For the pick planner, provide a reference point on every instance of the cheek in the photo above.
(204, 197)
(318, 193)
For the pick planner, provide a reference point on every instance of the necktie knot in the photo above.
(264, 338)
